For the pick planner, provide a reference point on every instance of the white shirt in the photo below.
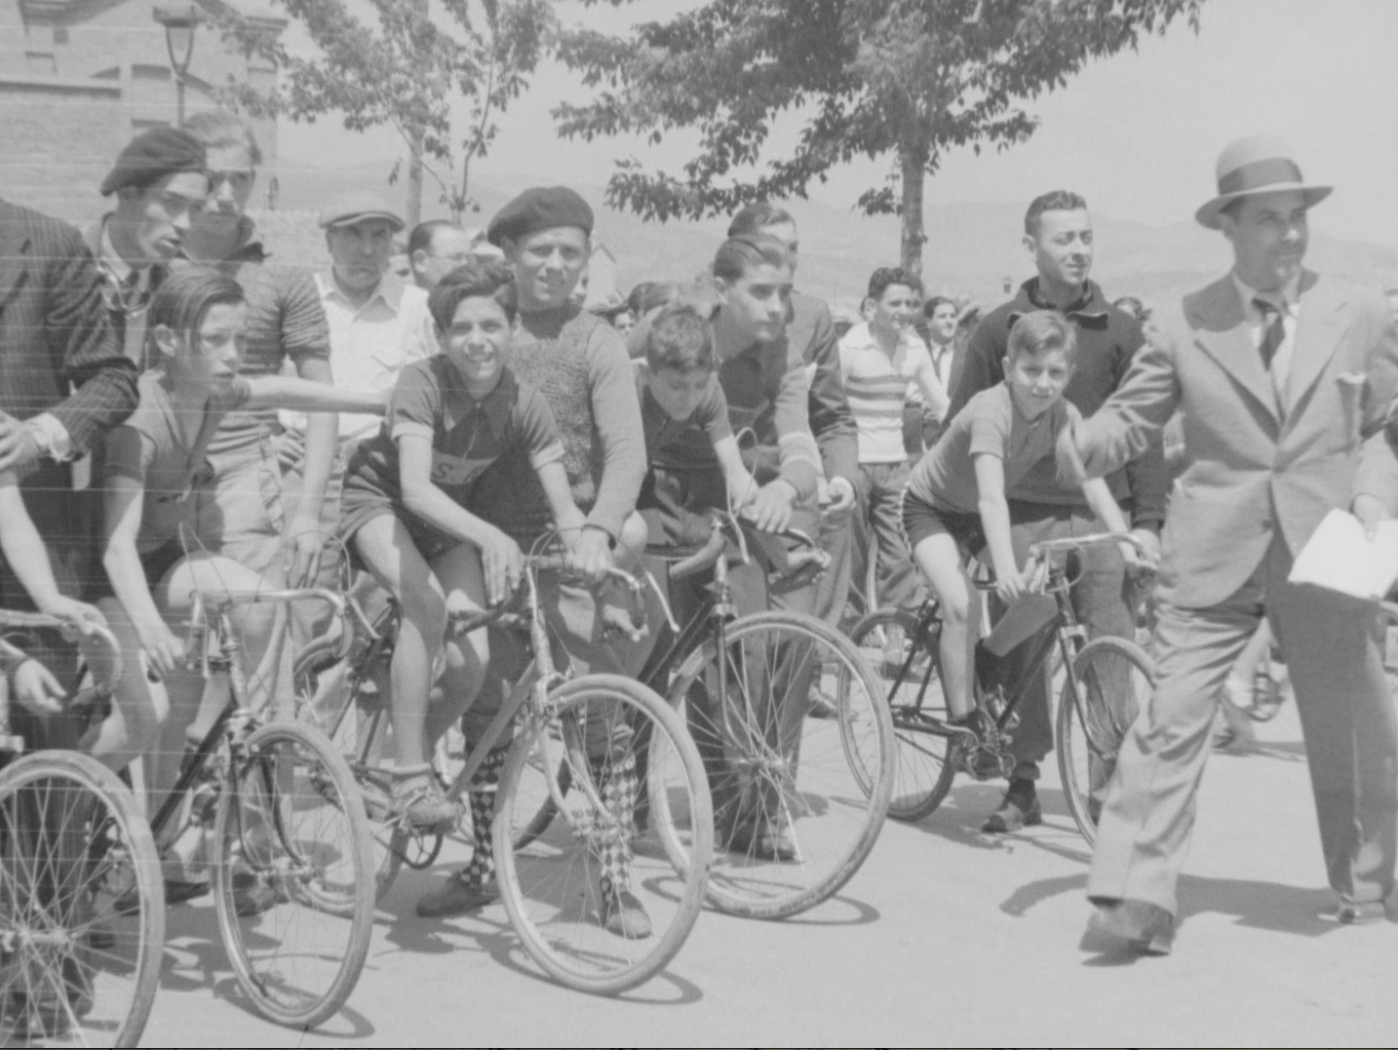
(878, 385)
(370, 344)
(1288, 302)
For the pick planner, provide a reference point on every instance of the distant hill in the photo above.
(972, 248)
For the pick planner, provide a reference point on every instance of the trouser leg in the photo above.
(1334, 649)
(1148, 813)
(898, 582)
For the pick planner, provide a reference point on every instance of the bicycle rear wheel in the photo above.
(908, 666)
(798, 800)
(72, 971)
(599, 905)
(294, 883)
(1110, 680)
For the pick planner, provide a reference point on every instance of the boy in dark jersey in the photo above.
(407, 512)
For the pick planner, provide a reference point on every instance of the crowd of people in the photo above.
(184, 412)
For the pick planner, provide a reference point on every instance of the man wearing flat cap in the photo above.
(579, 363)
(158, 184)
(1284, 377)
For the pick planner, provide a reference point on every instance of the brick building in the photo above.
(79, 77)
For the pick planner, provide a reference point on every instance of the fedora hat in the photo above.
(1256, 165)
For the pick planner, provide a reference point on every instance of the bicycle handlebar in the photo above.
(83, 698)
(1070, 543)
(718, 541)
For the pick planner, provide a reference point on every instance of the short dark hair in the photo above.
(219, 129)
(477, 279)
(1039, 332)
(885, 277)
(930, 306)
(421, 237)
(186, 295)
(756, 217)
(647, 295)
(1054, 200)
(679, 337)
(739, 254)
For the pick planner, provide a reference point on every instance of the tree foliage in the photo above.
(908, 78)
(410, 71)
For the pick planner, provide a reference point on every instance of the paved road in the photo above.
(947, 937)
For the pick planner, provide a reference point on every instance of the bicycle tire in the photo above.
(924, 769)
(66, 976)
(831, 808)
(292, 837)
(1090, 728)
(552, 886)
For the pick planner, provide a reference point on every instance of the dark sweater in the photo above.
(1108, 338)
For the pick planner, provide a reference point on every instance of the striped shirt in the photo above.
(878, 386)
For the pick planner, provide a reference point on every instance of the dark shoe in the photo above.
(763, 842)
(1143, 927)
(1359, 913)
(821, 707)
(456, 897)
(1018, 809)
(251, 896)
(176, 892)
(621, 913)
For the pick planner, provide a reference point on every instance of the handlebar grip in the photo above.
(700, 559)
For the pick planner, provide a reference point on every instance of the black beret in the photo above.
(153, 154)
(540, 208)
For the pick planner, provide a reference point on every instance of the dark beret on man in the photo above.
(153, 154)
(539, 208)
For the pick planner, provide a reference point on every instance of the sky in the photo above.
(1136, 134)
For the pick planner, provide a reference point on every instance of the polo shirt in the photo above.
(1108, 339)
(370, 344)
(152, 448)
(467, 435)
(989, 425)
(878, 386)
(682, 444)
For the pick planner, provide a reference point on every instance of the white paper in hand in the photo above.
(1339, 558)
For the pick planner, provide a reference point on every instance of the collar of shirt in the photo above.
(111, 259)
(389, 292)
(250, 247)
(495, 406)
(1089, 310)
(1285, 298)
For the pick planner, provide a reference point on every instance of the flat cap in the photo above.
(539, 208)
(153, 154)
(356, 206)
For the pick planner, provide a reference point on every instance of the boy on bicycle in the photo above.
(955, 500)
(157, 473)
(407, 513)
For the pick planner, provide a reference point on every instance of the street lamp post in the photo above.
(179, 21)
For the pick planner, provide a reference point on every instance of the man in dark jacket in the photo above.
(1058, 234)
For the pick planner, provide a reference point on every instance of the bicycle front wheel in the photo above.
(294, 884)
(799, 799)
(907, 664)
(598, 903)
(1110, 680)
(73, 970)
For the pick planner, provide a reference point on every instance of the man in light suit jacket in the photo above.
(1284, 378)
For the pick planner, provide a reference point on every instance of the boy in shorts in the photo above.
(955, 500)
(406, 513)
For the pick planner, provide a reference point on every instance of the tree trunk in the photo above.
(414, 202)
(913, 161)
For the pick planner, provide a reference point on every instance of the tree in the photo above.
(910, 78)
(409, 72)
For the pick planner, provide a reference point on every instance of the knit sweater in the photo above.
(579, 363)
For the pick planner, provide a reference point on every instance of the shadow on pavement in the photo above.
(196, 958)
(851, 913)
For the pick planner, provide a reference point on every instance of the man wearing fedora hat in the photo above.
(1284, 378)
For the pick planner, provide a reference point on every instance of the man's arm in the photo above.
(831, 421)
(617, 413)
(1133, 417)
(981, 366)
(82, 343)
(1147, 476)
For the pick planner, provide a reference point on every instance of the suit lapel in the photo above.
(1318, 332)
(14, 255)
(1221, 329)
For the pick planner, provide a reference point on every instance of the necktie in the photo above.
(1274, 332)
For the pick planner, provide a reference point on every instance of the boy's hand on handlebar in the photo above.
(841, 495)
(502, 564)
(81, 615)
(770, 510)
(1010, 587)
(164, 651)
(1138, 561)
(590, 554)
(36, 689)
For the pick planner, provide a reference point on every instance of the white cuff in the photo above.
(52, 437)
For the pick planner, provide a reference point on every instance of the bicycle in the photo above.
(553, 873)
(1104, 683)
(72, 843)
(747, 684)
(293, 884)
